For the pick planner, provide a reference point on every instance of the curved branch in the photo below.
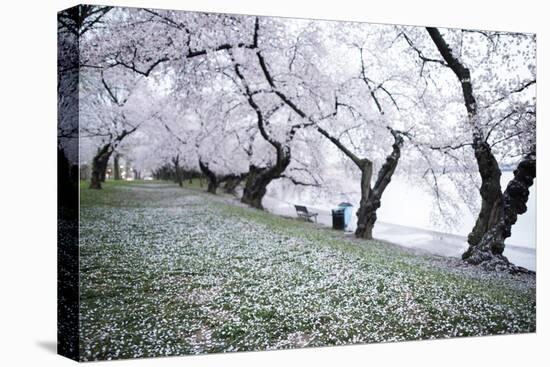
(358, 161)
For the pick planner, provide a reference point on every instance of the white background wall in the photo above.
(27, 204)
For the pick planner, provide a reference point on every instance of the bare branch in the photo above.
(450, 147)
(420, 54)
(295, 181)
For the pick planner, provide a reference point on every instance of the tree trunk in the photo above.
(491, 196)
(231, 183)
(366, 215)
(259, 178)
(212, 186)
(179, 177)
(498, 211)
(103, 173)
(256, 186)
(362, 213)
(99, 166)
(488, 251)
(177, 170)
(213, 181)
(370, 198)
(116, 167)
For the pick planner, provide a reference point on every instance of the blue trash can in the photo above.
(347, 212)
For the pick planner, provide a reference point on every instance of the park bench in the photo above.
(303, 213)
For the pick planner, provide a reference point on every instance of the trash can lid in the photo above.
(344, 204)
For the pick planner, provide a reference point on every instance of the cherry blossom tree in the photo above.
(313, 100)
(259, 102)
(496, 74)
(113, 106)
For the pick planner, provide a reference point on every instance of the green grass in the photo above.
(195, 183)
(111, 195)
(168, 270)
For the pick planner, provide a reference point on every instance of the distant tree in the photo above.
(110, 112)
(116, 167)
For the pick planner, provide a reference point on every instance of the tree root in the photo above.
(491, 262)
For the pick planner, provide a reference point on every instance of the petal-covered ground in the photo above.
(169, 271)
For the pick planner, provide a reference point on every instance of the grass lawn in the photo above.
(168, 271)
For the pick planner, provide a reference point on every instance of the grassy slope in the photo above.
(168, 271)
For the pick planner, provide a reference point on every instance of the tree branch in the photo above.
(358, 162)
(297, 182)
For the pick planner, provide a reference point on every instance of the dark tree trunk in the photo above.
(513, 202)
(498, 210)
(362, 230)
(370, 197)
(99, 166)
(116, 167)
(212, 186)
(103, 173)
(101, 159)
(366, 215)
(231, 183)
(179, 177)
(491, 195)
(177, 170)
(259, 178)
(256, 186)
(213, 181)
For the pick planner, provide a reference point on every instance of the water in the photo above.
(404, 219)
